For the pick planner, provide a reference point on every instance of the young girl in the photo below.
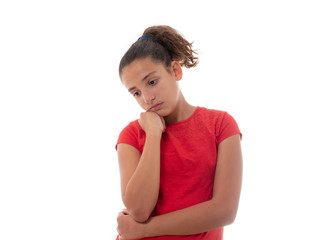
(180, 165)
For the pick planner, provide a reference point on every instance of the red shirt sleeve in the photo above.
(129, 135)
(227, 127)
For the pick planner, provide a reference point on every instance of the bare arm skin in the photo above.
(140, 173)
(220, 211)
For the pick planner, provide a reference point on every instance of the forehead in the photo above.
(134, 72)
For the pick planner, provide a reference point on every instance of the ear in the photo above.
(177, 70)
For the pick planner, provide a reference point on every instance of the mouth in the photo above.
(155, 107)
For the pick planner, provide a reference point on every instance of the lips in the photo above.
(156, 107)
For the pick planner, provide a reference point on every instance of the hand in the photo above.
(128, 229)
(152, 122)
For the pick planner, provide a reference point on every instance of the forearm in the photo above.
(142, 191)
(199, 218)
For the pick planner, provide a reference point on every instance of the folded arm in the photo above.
(220, 211)
(140, 177)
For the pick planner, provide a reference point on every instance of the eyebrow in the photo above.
(143, 79)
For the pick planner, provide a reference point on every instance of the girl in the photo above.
(180, 165)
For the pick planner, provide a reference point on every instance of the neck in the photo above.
(182, 111)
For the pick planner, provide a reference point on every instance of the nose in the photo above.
(148, 98)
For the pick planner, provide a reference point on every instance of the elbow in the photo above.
(140, 216)
(230, 219)
(226, 212)
(226, 220)
(139, 211)
(230, 216)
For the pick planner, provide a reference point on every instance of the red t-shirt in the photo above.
(188, 161)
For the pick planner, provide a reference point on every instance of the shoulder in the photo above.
(132, 134)
(222, 123)
(132, 126)
(131, 129)
(211, 115)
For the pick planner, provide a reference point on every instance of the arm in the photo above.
(218, 212)
(140, 173)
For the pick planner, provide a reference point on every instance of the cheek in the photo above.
(141, 103)
(172, 91)
(164, 90)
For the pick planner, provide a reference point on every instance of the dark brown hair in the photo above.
(164, 45)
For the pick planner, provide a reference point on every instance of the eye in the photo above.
(136, 94)
(153, 82)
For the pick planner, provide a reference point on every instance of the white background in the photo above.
(62, 107)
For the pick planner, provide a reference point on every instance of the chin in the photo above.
(160, 113)
(163, 113)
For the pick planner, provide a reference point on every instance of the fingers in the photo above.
(125, 211)
(162, 120)
(120, 214)
(121, 228)
(151, 121)
(164, 124)
(118, 229)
